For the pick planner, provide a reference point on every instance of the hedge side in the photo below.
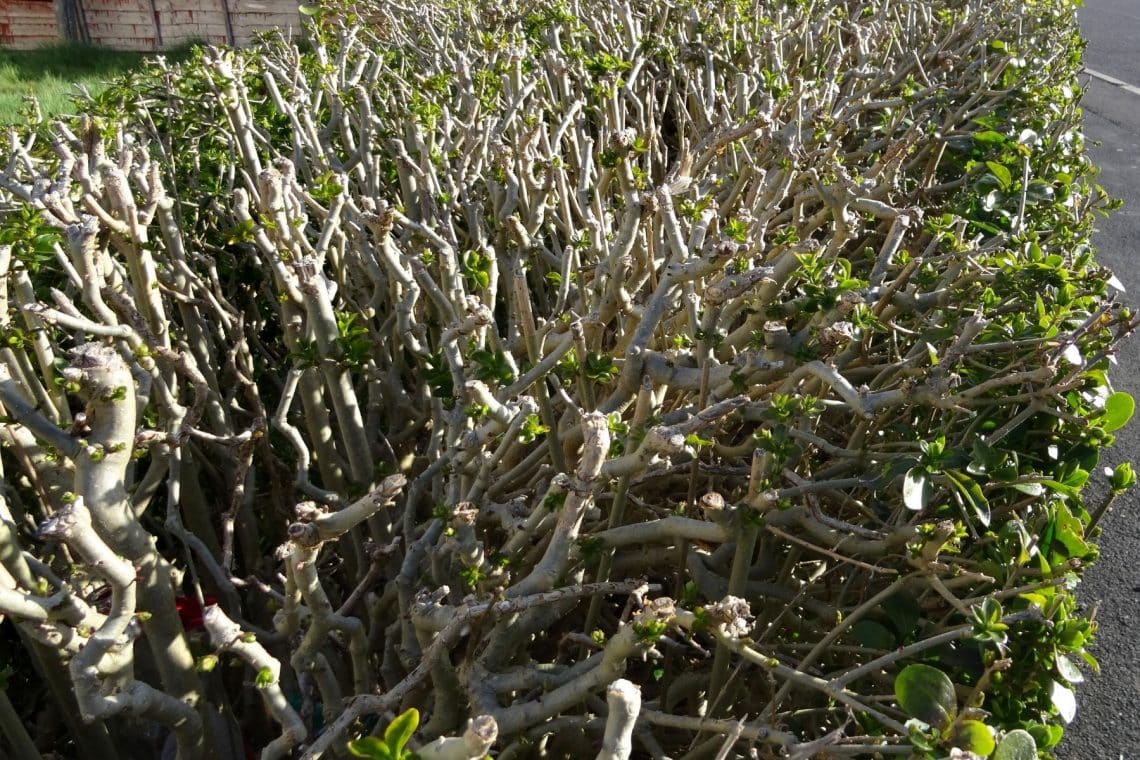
(594, 378)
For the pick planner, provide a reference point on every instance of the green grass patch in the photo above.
(50, 74)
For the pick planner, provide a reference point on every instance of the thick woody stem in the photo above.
(226, 635)
(12, 727)
(621, 647)
(306, 540)
(554, 561)
(106, 383)
(474, 744)
(102, 670)
(453, 621)
(324, 620)
(333, 525)
(23, 412)
(624, 701)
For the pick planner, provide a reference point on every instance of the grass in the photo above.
(50, 73)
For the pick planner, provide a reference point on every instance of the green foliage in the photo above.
(472, 576)
(438, 377)
(1121, 477)
(32, 238)
(264, 678)
(606, 64)
(477, 269)
(394, 744)
(1118, 410)
(325, 188)
(926, 693)
(353, 340)
(532, 428)
(972, 736)
(492, 366)
(649, 631)
(1016, 745)
(600, 368)
(987, 621)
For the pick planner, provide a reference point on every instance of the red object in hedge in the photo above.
(190, 611)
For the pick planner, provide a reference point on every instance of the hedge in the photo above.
(623, 379)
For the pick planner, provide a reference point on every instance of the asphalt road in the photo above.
(1112, 28)
(1107, 726)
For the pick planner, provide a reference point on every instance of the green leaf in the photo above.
(974, 736)
(972, 494)
(1068, 669)
(242, 233)
(1046, 737)
(989, 137)
(1058, 487)
(400, 730)
(926, 693)
(917, 488)
(932, 353)
(1028, 137)
(1017, 745)
(1118, 410)
(1122, 477)
(1075, 477)
(1070, 533)
(1002, 174)
(1032, 489)
(986, 621)
(1039, 192)
(1090, 661)
(921, 737)
(309, 10)
(1043, 316)
(264, 678)
(873, 635)
(984, 458)
(370, 747)
(1064, 700)
(903, 613)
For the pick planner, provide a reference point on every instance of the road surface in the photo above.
(1107, 726)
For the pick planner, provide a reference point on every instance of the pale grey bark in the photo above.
(624, 701)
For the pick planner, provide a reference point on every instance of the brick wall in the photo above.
(139, 25)
(27, 23)
(202, 20)
(251, 17)
(126, 24)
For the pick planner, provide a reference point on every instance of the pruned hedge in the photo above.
(686, 380)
